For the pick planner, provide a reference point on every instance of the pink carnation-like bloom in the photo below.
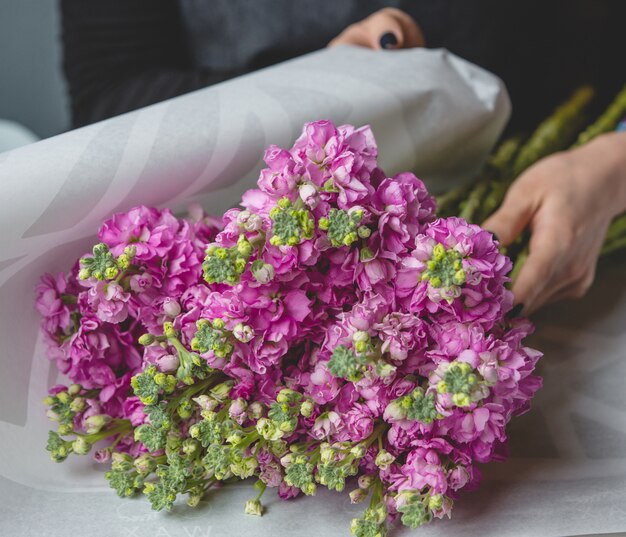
(150, 231)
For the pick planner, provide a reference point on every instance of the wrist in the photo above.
(606, 157)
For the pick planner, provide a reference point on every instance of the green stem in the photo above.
(556, 132)
(607, 121)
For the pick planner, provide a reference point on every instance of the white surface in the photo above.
(430, 111)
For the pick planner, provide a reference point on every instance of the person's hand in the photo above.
(385, 29)
(567, 201)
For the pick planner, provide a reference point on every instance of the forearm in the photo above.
(610, 150)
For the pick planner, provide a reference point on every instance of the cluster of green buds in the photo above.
(226, 265)
(151, 384)
(212, 336)
(291, 223)
(103, 265)
(417, 507)
(343, 227)
(373, 523)
(127, 475)
(345, 363)
(465, 385)
(64, 406)
(283, 414)
(445, 270)
(415, 406)
(191, 367)
(81, 443)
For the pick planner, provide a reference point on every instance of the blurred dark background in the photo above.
(32, 90)
(124, 54)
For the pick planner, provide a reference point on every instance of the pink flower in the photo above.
(109, 301)
(358, 422)
(150, 231)
(50, 303)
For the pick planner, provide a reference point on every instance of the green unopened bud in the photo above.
(365, 481)
(358, 495)
(254, 507)
(65, 429)
(144, 464)
(190, 446)
(80, 446)
(205, 402)
(364, 232)
(435, 502)
(255, 410)
(243, 333)
(63, 397)
(74, 389)
(365, 254)
(121, 461)
(49, 400)
(384, 459)
(307, 407)
(268, 429)
(221, 391)
(358, 451)
(146, 339)
(168, 330)
(185, 409)
(94, 424)
(244, 247)
(288, 396)
(78, 405)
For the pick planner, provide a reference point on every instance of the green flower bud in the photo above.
(254, 507)
(146, 339)
(306, 408)
(384, 459)
(262, 272)
(288, 396)
(268, 429)
(365, 481)
(74, 389)
(80, 446)
(290, 226)
(144, 464)
(94, 424)
(78, 405)
(65, 429)
(341, 226)
(358, 495)
(255, 410)
(445, 269)
(222, 390)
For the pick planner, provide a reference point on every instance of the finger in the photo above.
(535, 277)
(510, 219)
(355, 34)
(393, 22)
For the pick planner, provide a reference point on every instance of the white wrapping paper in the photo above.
(430, 112)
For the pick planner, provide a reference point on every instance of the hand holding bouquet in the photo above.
(331, 328)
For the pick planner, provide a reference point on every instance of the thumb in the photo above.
(510, 219)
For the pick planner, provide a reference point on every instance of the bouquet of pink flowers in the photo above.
(329, 331)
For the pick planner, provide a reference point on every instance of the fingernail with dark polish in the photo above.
(516, 310)
(388, 41)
